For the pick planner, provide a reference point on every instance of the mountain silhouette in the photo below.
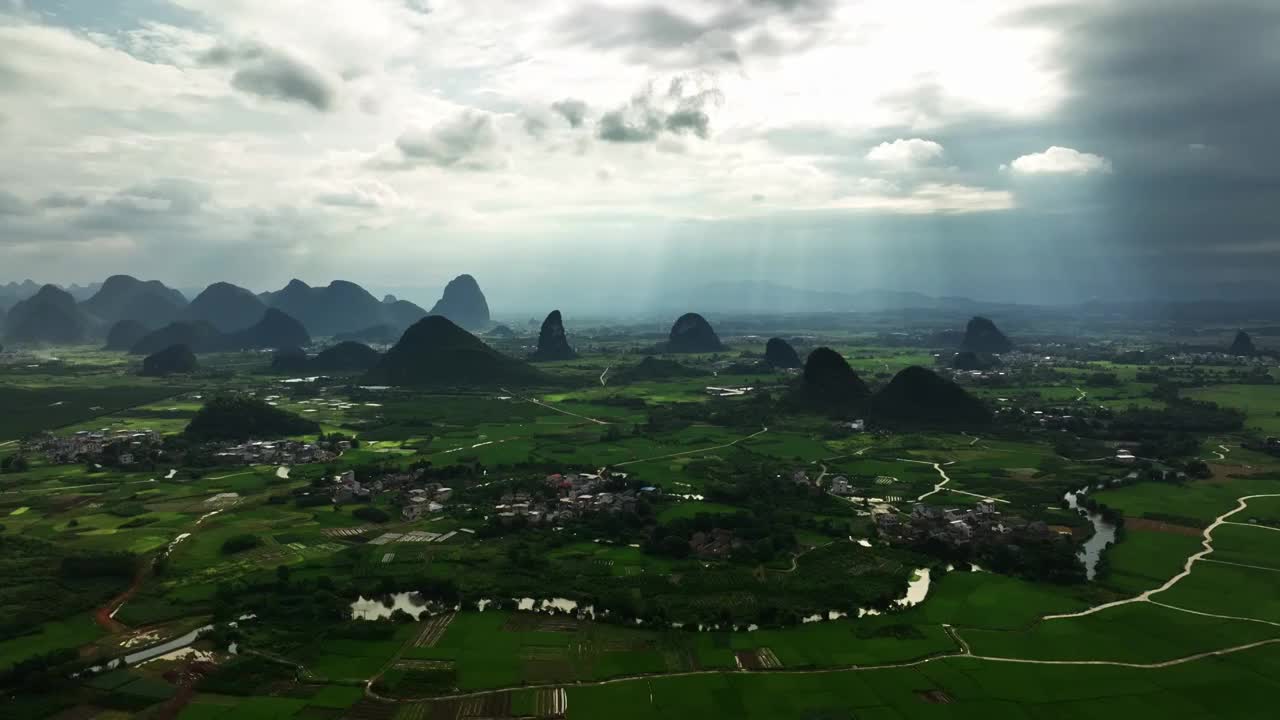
(922, 397)
(780, 354)
(51, 316)
(552, 342)
(828, 383)
(124, 297)
(1242, 345)
(226, 307)
(341, 307)
(691, 333)
(435, 351)
(175, 359)
(463, 303)
(982, 336)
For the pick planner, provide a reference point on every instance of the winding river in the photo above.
(1104, 534)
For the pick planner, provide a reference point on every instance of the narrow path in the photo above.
(604, 375)
(549, 406)
(75, 487)
(1215, 615)
(1243, 565)
(1253, 525)
(105, 616)
(988, 498)
(691, 452)
(1207, 543)
(936, 466)
(961, 654)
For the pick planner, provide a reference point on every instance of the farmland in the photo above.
(733, 583)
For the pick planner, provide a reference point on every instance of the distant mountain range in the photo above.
(30, 313)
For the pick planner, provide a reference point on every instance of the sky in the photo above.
(605, 154)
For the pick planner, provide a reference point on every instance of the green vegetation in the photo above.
(726, 554)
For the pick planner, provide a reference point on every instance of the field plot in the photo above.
(1261, 403)
(1212, 688)
(1137, 632)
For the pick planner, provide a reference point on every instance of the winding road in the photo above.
(1207, 544)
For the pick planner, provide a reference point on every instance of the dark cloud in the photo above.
(573, 111)
(11, 204)
(62, 201)
(680, 109)
(694, 121)
(466, 141)
(654, 33)
(271, 73)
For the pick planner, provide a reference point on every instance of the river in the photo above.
(1104, 534)
(415, 604)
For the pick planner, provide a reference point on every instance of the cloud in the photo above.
(274, 74)
(62, 201)
(1060, 161)
(635, 123)
(468, 140)
(905, 154)
(680, 110)
(361, 195)
(573, 111)
(162, 202)
(653, 33)
(11, 204)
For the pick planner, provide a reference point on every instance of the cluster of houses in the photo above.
(278, 452)
(128, 446)
(955, 526)
(715, 543)
(576, 495)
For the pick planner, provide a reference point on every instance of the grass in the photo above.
(1137, 632)
(1261, 403)
(1216, 688)
(1144, 560)
(72, 632)
(986, 600)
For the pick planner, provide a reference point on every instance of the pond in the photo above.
(1104, 534)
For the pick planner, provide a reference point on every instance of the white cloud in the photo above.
(905, 154)
(1060, 161)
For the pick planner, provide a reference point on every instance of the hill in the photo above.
(172, 360)
(240, 417)
(341, 307)
(652, 368)
(345, 357)
(123, 297)
(829, 384)
(553, 344)
(982, 336)
(226, 307)
(274, 329)
(463, 303)
(124, 335)
(691, 333)
(435, 351)
(199, 336)
(780, 354)
(289, 360)
(1242, 345)
(921, 397)
(374, 335)
(967, 360)
(49, 316)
